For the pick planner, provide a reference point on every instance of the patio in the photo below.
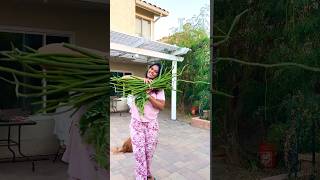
(183, 151)
(44, 170)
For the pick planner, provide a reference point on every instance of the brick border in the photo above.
(200, 123)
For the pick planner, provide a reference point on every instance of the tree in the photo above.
(194, 35)
(271, 32)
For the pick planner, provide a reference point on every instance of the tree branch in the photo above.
(235, 21)
(308, 68)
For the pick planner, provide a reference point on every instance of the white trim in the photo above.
(113, 70)
(174, 91)
(135, 36)
(144, 17)
(181, 51)
(151, 8)
(145, 52)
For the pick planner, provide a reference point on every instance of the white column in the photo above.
(174, 92)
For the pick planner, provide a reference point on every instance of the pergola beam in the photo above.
(144, 52)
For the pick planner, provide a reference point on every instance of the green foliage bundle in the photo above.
(82, 77)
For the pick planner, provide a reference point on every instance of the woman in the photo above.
(144, 129)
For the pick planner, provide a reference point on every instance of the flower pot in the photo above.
(194, 110)
(267, 154)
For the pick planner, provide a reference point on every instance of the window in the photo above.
(56, 39)
(139, 27)
(143, 28)
(19, 40)
(117, 74)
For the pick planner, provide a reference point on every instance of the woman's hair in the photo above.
(159, 72)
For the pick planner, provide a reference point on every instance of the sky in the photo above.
(177, 9)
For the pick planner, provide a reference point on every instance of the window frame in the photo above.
(44, 33)
(141, 18)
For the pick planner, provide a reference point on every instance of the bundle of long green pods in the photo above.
(83, 78)
(135, 86)
(85, 75)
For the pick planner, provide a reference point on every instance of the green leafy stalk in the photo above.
(82, 77)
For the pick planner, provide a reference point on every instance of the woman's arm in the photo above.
(159, 104)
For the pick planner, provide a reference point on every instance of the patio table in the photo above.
(9, 120)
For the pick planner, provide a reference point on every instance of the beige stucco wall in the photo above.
(88, 27)
(35, 140)
(136, 69)
(122, 16)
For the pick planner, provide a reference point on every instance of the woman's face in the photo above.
(153, 72)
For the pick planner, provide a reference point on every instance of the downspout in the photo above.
(154, 21)
(157, 18)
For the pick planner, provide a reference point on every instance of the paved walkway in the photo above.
(183, 151)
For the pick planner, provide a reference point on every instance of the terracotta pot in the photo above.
(194, 110)
(267, 154)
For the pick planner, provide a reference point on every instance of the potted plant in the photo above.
(195, 107)
(204, 105)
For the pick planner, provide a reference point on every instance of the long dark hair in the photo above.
(159, 73)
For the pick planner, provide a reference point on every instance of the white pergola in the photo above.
(142, 50)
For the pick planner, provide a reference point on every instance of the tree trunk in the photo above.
(232, 131)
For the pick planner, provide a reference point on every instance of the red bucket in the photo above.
(267, 155)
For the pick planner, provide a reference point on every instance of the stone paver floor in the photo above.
(183, 151)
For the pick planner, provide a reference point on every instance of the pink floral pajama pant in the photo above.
(144, 138)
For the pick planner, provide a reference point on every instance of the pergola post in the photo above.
(174, 91)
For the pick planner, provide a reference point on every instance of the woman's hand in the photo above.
(148, 91)
(147, 80)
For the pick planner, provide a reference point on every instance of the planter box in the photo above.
(200, 123)
(306, 164)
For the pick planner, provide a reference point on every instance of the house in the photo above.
(36, 23)
(132, 44)
(136, 18)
